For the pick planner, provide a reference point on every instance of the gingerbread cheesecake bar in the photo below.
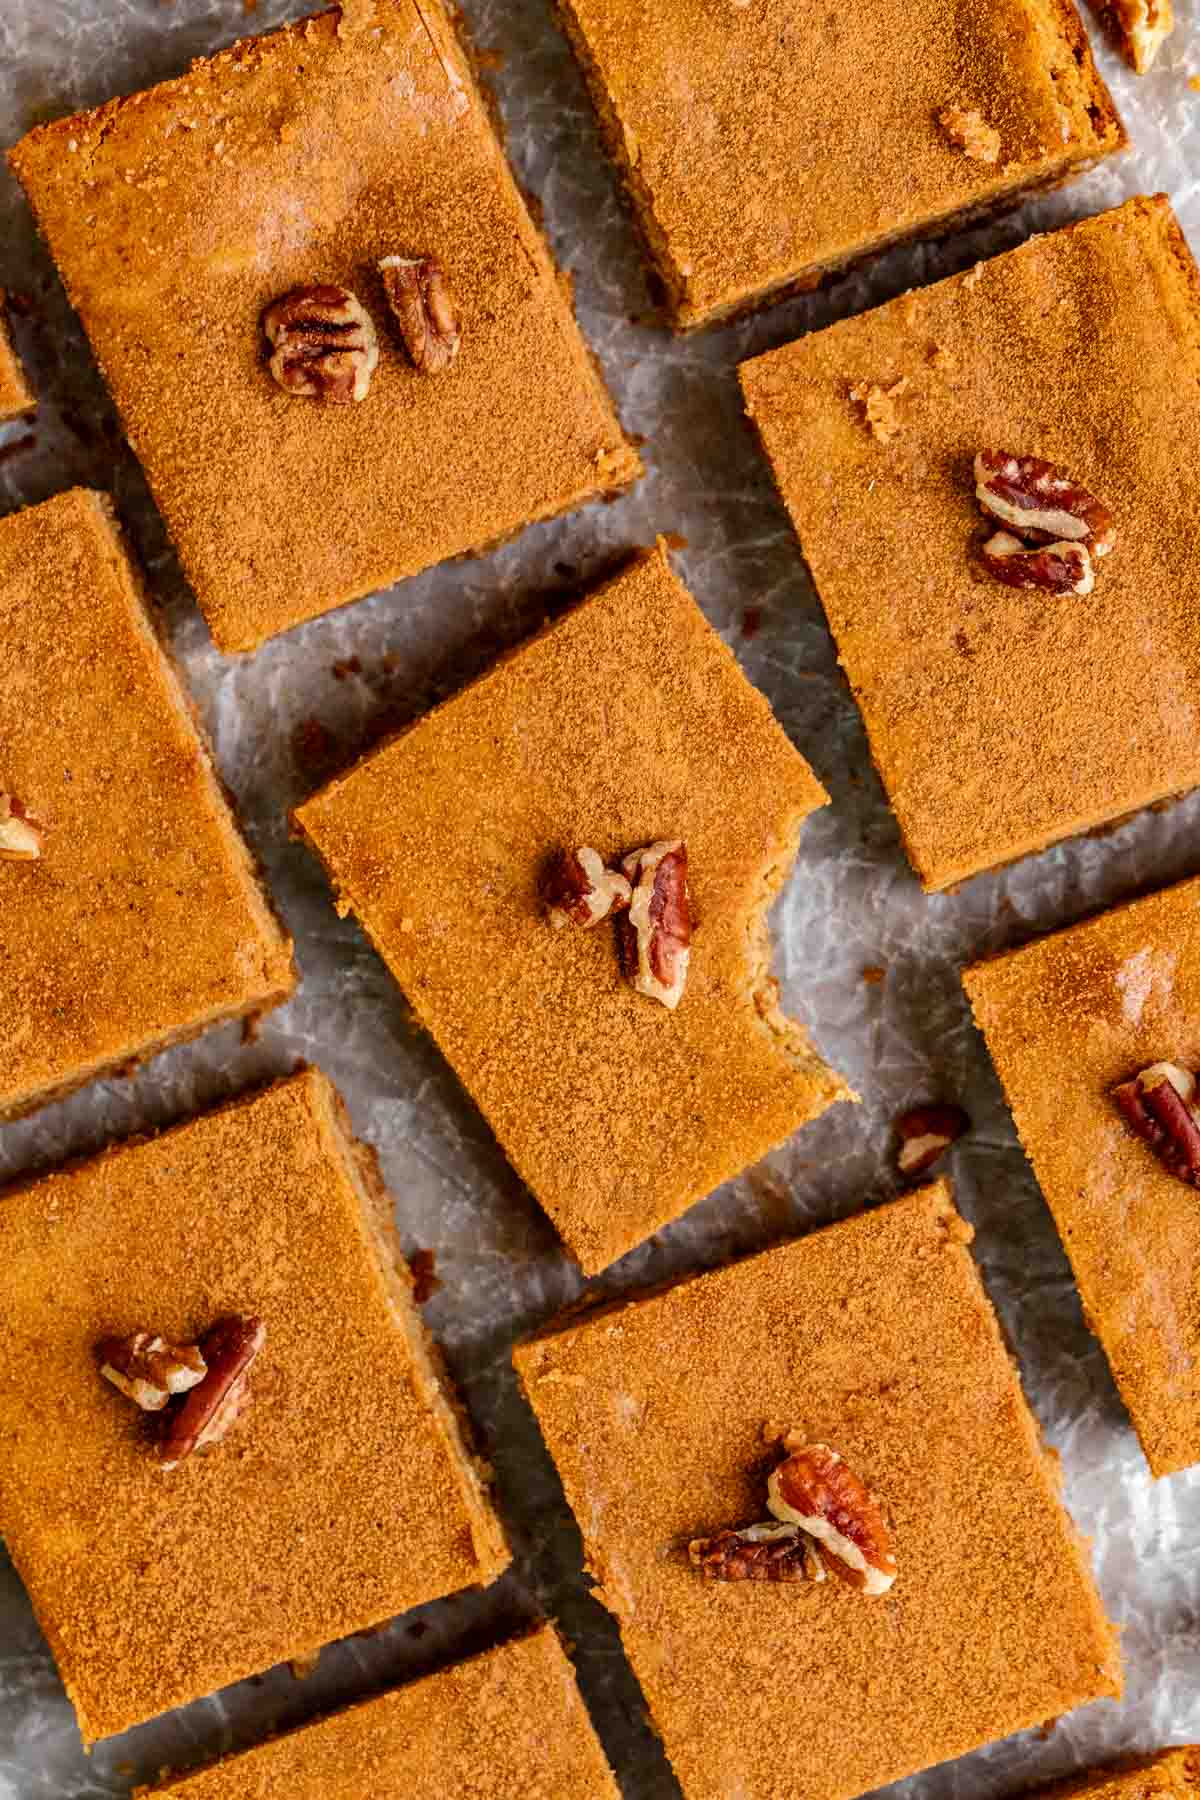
(625, 729)
(1071, 1020)
(1171, 1775)
(225, 1438)
(811, 1481)
(1015, 690)
(16, 395)
(766, 145)
(506, 1724)
(336, 339)
(131, 912)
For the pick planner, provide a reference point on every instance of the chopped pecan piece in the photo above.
(211, 1409)
(758, 1553)
(926, 1133)
(419, 295)
(148, 1370)
(971, 133)
(21, 836)
(815, 1490)
(1041, 503)
(579, 890)
(881, 413)
(1159, 1104)
(655, 935)
(1051, 568)
(1140, 28)
(324, 344)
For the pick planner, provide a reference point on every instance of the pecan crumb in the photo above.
(765, 1552)
(22, 837)
(578, 889)
(213, 1408)
(419, 296)
(655, 935)
(148, 1370)
(1140, 27)
(323, 343)
(926, 1133)
(970, 132)
(880, 411)
(426, 1281)
(1159, 1106)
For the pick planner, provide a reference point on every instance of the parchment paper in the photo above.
(853, 904)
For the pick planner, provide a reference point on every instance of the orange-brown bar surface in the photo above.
(1066, 1018)
(627, 722)
(177, 215)
(1171, 1775)
(346, 1492)
(143, 921)
(509, 1725)
(767, 144)
(16, 395)
(875, 1337)
(1000, 719)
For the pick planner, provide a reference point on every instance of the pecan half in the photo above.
(324, 343)
(970, 133)
(148, 1370)
(1053, 568)
(815, 1490)
(655, 935)
(579, 890)
(758, 1553)
(419, 295)
(1159, 1104)
(211, 1409)
(926, 1133)
(21, 836)
(1041, 503)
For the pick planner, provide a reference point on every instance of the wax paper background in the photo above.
(852, 905)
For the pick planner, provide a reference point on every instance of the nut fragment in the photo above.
(1140, 27)
(1052, 568)
(211, 1409)
(926, 1133)
(971, 133)
(758, 1553)
(1041, 503)
(324, 343)
(881, 412)
(148, 1370)
(1159, 1104)
(579, 890)
(21, 836)
(814, 1489)
(419, 295)
(655, 935)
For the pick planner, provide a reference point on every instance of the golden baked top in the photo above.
(765, 140)
(506, 1724)
(1171, 1775)
(177, 215)
(876, 1337)
(16, 396)
(627, 722)
(1066, 1018)
(98, 741)
(1002, 720)
(341, 1498)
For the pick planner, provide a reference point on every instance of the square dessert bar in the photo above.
(178, 215)
(766, 145)
(1171, 1775)
(344, 1493)
(626, 723)
(504, 1725)
(875, 1338)
(1003, 719)
(16, 395)
(137, 918)
(1066, 1019)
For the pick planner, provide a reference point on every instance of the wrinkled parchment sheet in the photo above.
(852, 905)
